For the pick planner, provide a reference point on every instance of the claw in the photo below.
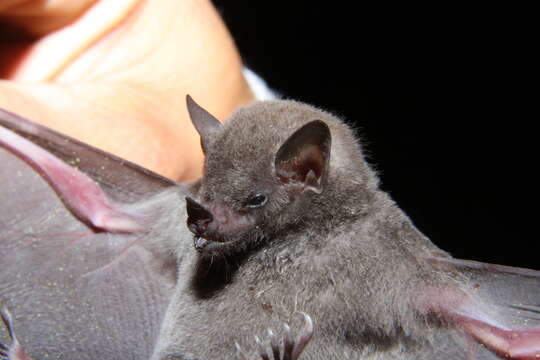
(262, 349)
(15, 350)
(292, 348)
(288, 343)
(273, 344)
(241, 353)
(303, 338)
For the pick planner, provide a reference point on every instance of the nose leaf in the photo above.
(198, 217)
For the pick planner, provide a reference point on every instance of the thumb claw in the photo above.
(241, 353)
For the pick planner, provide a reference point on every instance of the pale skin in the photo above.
(114, 74)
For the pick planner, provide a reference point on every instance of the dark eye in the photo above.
(257, 200)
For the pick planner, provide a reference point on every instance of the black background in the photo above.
(437, 104)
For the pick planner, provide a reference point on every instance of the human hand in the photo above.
(114, 74)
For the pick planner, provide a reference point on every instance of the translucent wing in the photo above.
(77, 286)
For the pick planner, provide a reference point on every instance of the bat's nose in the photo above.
(198, 217)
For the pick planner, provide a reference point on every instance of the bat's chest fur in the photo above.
(231, 300)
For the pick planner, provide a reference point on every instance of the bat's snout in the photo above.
(198, 217)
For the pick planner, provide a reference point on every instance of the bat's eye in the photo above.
(256, 200)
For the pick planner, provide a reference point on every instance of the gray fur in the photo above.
(348, 257)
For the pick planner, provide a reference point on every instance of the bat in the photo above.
(301, 225)
(287, 218)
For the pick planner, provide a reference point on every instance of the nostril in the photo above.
(198, 226)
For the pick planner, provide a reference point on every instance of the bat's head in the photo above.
(261, 169)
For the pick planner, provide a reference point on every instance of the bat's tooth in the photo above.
(200, 243)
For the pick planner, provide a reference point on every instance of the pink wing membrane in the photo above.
(78, 191)
(499, 310)
(120, 179)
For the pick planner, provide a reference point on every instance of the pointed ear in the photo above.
(204, 122)
(303, 159)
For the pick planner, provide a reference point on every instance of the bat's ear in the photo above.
(303, 159)
(206, 124)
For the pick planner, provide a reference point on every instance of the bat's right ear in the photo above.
(206, 124)
(303, 159)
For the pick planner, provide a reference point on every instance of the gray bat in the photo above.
(287, 218)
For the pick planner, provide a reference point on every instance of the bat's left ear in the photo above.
(206, 124)
(303, 159)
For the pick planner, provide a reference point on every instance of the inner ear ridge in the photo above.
(313, 182)
(304, 157)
